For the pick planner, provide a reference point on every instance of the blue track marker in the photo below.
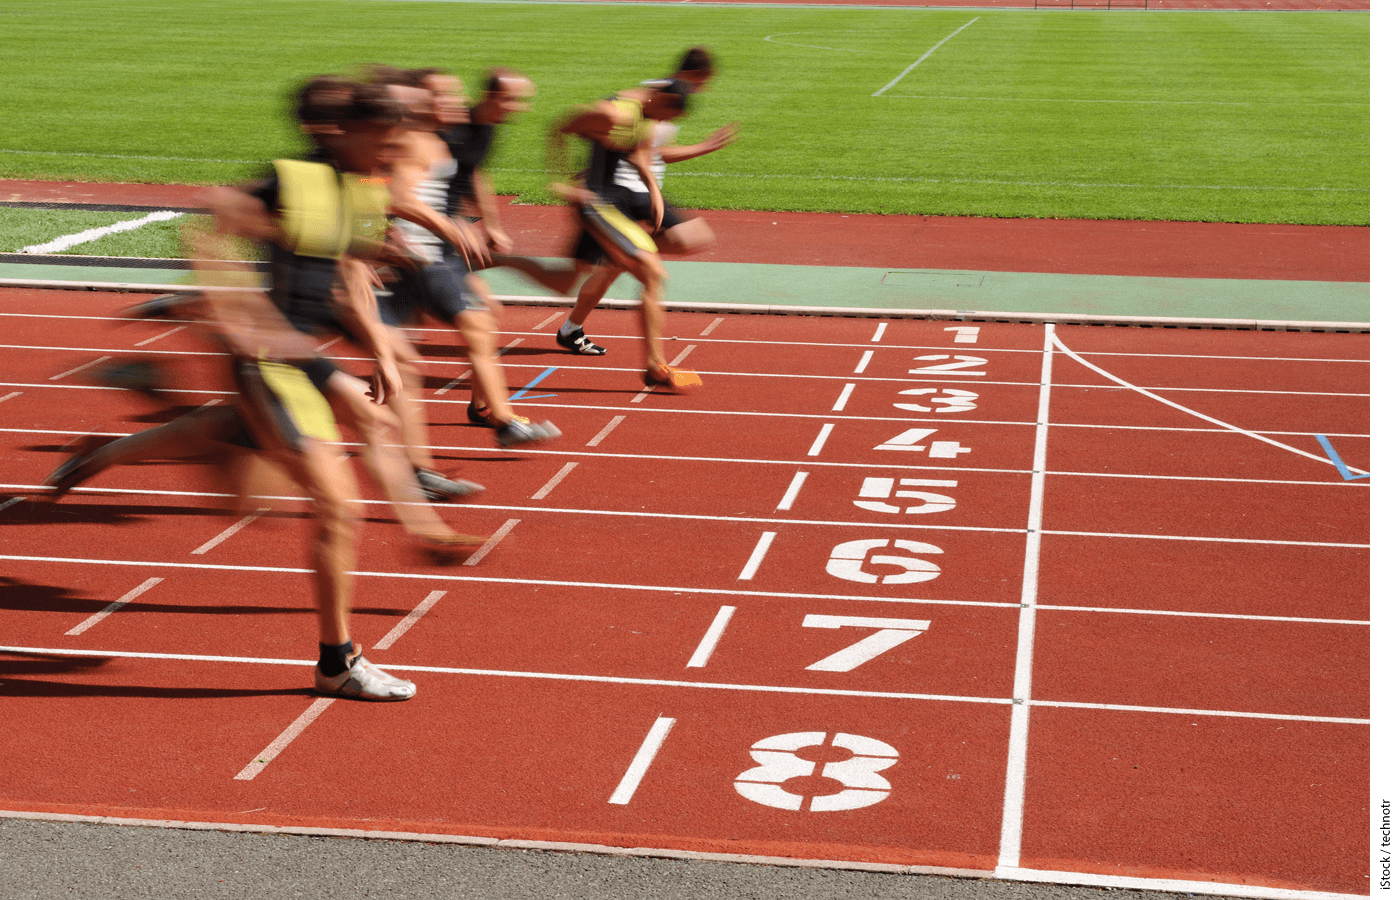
(520, 394)
(1337, 460)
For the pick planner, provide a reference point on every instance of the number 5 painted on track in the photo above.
(877, 489)
(846, 560)
(892, 633)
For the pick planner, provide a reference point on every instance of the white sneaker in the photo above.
(364, 681)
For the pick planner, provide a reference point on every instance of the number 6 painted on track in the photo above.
(846, 560)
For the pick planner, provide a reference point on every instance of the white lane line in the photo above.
(271, 751)
(58, 245)
(845, 395)
(554, 482)
(163, 334)
(10, 396)
(1204, 615)
(879, 332)
(791, 496)
(864, 361)
(85, 365)
(114, 606)
(409, 620)
(1013, 801)
(760, 550)
(821, 439)
(607, 430)
(491, 542)
(551, 318)
(227, 533)
(701, 656)
(539, 582)
(700, 685)
(328, 344)
(711, 327)
(642, 761)
(452, 384)
(1146, 393)
(916, 62)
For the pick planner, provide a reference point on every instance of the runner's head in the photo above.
(666, 99)
(369, 131)
(409, 87)
(504, 92)
(696, 68)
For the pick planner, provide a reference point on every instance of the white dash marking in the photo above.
(642, 761)
(327, 345)
(791, 496)
(643, 395)
(756, 558)
(683, 354)
(152, 340)
(114, 606)
(845, 395)
(58, 245)
(452, 384)
(227, 533)
(821, 439)
(864, 361)
(701, 656)
(10, 502)
(554, 482)
(711, 327)
(511, 346)
(409, 620)
(491, 542)
(607, 430)
(79, 368)
(916, 62)
(271, 751)
(547, 321)
(879, 332)
(11, 395)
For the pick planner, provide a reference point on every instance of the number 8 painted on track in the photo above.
(846, 561)
(858, 775)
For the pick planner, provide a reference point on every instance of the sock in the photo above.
(333, 658)
(569, 329)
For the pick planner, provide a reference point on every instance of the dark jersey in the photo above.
(600, 178)
(470, 145)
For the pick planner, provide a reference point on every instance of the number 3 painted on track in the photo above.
(777, 763)
(846, 561)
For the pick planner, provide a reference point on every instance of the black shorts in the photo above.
(602, 221)
(441, 289)
(280, 405)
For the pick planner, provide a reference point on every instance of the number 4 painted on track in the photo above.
(892, 633)
(910, 439)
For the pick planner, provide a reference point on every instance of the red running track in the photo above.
(1068, 670)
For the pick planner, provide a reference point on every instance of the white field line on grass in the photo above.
(700, 685)
(58, 245)
(927, 54)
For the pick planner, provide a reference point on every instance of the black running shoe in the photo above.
(579, 343)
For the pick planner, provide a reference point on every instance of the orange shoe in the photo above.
(667, 377)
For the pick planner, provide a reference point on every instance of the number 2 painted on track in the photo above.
(963, 362)
(891, 633)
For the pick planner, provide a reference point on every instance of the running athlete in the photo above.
(678, 234)
(615, 221)
(445, 288)
(321, 210)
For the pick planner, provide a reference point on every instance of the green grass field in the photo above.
(1245, 117)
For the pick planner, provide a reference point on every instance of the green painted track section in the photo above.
(851, 287)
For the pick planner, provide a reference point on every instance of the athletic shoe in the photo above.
(139, 375)
(438, 487)
(77, 468)
(448, 549)
(479, 415)
(579, 343)
(364, 681)
(521, 430)
(667, 377)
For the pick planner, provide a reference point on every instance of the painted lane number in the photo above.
(847, 560)
(862, 785)
(952, 401)
(877, 490)
(962, 362)
(910, 439)
(890, 634)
